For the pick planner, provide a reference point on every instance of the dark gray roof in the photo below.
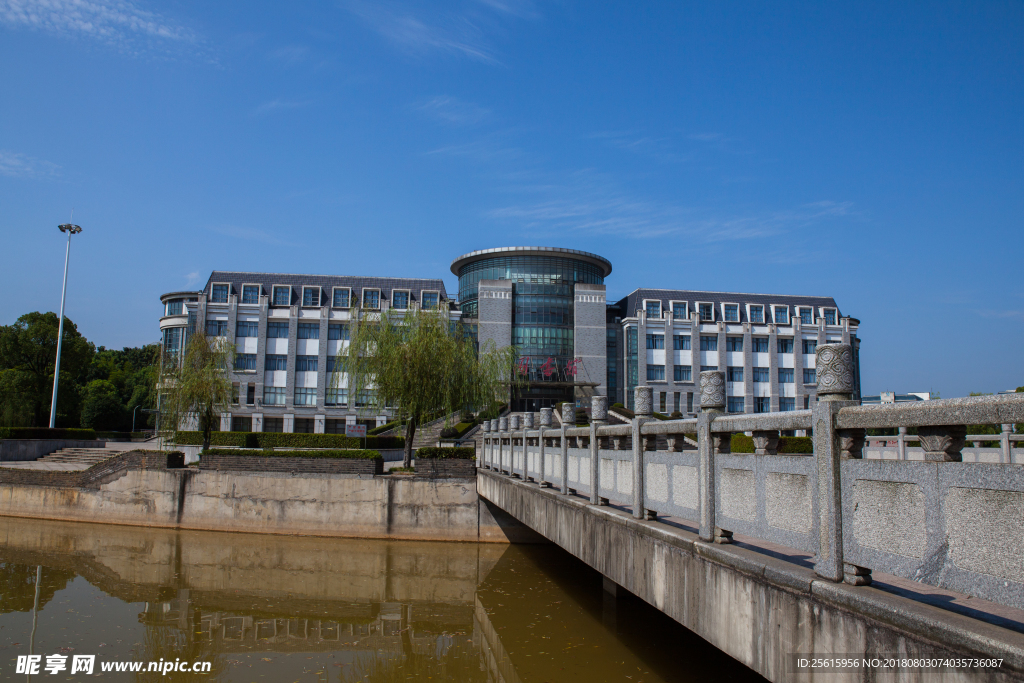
(634, 301)
(326, 282)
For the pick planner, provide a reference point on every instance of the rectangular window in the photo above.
(761, 375)
(655, 373)
(220, 294)
(734, 343)
(172, 339)
(250, 395)
(655, 341)
(810, 376)
(174, 307)
(273, 424)
(653, 309)
(830, 316)
(245, 361)
(277, 330)
(282, 296)
(429, 300)
(337, 397)
(785, 375)
(305, 397)
(734, 374)
(309, 330)
(675, 401)
(681, 342)
(689, 401)
(216, 328)
(241, 424)
(810, 345)
(275, 362)
(663, 402)
(337, 331)
(273, 396)
(806, 316)
(707, 312)
(735, 404)
(310, 296)
(334, 426)
(785, 345)
(303, 425)
(247, 328)
(341, 297)
(371, 299)
(678, 313)
(331, 361)
(781, 315)
(250, 294)
(757, 314)
(682, 373)
(400, 300)
(787, 404)
(708, 343)
(732, 313)
(760, 344)
(365, 398)
(762, 404)
(305, 363)
(708, 368)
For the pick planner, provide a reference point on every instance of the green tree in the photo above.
(417, 363)
(199, 390)
(133, 373)
(28, 350)
(102, 408)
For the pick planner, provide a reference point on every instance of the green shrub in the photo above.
(288, 440)
(741, 443)
(384, 427)
(46, 433)
(618, 405)
(446, 453)
(676, 415)
(457, 431)
(623, 411)
(492, 412)
(353, 453)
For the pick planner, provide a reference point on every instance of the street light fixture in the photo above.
(70, 229)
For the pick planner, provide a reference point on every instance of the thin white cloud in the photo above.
(290, 54)
(453, 110)
(192, 279)
(453, 34)
(239, 232)
(278, 105)
(524, 9)
(15, 165)
(1018, 315)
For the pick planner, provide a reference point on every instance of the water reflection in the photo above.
(281, 608)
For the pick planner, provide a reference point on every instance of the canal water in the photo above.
(274, 608)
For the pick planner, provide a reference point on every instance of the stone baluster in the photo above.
(1004, 443)
(901, 443)
(486, 459)
(766, 442)
(675, 442)
(598, 417)
(942, 443)
(513, 426)
(834, 364)
(710, 444)
(568, 420)
(527, 425)
(503, 429)
(643, 411)
(545, 423)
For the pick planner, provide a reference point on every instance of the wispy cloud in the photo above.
(15, 165)
(524, 9)
(192, 279)
(118, 23)
(278, 105)
(1013, 314)
(250, 234)
(290, 54)
(453, 110)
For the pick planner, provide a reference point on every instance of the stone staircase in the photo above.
(427, 435)
(83, 458)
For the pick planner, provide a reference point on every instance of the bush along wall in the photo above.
(46, 433)
(741, 443)
(286, 440)
(446, 453)
(352, 454)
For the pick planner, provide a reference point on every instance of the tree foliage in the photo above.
(199, 390)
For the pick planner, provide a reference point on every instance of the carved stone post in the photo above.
(1004, 443)
(643, 404)
(568, 420)
(598, 417)
(712, 404)
(486, 427)
(503, 429)
(527, 425)
(901, 443)
(766, 442)
(942, 443)
(513, 426)
(834, 364)
(545, 423)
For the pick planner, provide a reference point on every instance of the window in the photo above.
(399, 299)
(272, 396)
(220, 294)
(675, 401)
(655, 341)
(305, 397)
(689, 401)
(250, 395)
(708, 368)
(241, 424)
(341, 297)
(653, 309)
(310, 296)
(334, 426)
(732, 313)
(830, 316)
(305, 363)
(429, 300)
(247, 328)
(235, 391)
(806, 316)
(810, 345)
(250, 294)
(309, 330)
(734, 374)
(757, 314)
(678, 313)
(760, 344)
(787, 404)
(735, 404)
(810, 376)
(174, 307)
(681, 342)
(761, 375)
(275, 362)
(331, 361)
(734, 343)
(216, 328)
(371, 299)
(682, 373)
(337, 397)
(365, 398)
(273, 424)
(707, 312)
(785, 375)
(337, 331)
(277, 330)
(245, 361)
(708, 343)
(172, 339)
(781, 315)
(282, 295)
(762, 404)
(655, 373)
(785, 345)
(663, 402)
(303, 425)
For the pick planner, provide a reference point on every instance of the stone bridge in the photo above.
(772, 557)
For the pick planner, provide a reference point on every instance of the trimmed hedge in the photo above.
(287, 440)
(623, 410)
(457, 431)
(741, 443)
(46, 433)
(446, 453)
(353, 453)
(383, 428)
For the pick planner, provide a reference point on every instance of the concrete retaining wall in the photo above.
(33, 449)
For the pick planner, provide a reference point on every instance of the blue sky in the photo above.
(869, 152)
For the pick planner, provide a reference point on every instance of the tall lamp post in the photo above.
(70, 229)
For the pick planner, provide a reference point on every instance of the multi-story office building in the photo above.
(550, 303)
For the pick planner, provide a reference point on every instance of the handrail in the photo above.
(1000, 409)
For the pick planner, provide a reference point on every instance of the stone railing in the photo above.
(939, 520)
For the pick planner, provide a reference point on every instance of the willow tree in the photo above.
(418, 363)
(198, 389)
